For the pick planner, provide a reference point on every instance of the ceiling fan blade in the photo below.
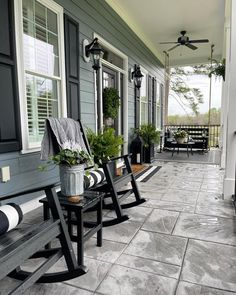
(168, 42)
(199, 41)
(191, 46)
(172, 48)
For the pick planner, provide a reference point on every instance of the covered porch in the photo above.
(182, 240)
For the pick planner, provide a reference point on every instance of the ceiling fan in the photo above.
(184, 40)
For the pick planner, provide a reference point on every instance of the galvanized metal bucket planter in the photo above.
(72, 180)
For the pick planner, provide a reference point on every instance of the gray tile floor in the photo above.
(181, 241)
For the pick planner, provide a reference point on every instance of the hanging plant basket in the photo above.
(218, 70)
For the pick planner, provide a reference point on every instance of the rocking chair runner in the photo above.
(114, 184)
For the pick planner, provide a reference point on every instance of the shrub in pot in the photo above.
(150, 136)
(181, 136)
(104, 145)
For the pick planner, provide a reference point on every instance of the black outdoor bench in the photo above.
(199, 135)
(24, 242)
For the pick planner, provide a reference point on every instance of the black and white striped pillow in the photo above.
(95, 177)
(10, 216)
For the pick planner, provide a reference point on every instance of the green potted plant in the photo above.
(150, 136)
(181, 136)
(111, 103)
(218, 69)
(104, 145)
(70, 159)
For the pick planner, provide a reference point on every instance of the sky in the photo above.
(202, 82)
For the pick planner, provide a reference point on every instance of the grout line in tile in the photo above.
(151, 259)
(181, 268)
(210, 287)
(207, 241)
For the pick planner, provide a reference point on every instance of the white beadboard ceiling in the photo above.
(157, 21)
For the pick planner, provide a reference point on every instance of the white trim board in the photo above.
(124, 71)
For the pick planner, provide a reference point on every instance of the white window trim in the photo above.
(144, 72)
(21, 71)
(124, 71)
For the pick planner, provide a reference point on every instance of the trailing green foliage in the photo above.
(104, 145)
(149, 134)
(111, 103)
(67, 157)
(218, 69)
(71, 158)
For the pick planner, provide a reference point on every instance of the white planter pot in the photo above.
(72, 180)
(180, 140)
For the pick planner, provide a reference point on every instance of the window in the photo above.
(144, 99)
(158, 106)
(40, 59)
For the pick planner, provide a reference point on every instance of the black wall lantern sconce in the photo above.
(136, 76)
(94, 49)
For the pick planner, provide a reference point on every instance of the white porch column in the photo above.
(225, 85)
(229, 178)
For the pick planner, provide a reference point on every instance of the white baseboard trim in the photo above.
(228, 188)
(33, 204)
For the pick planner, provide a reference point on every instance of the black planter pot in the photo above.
(136, 149)
(148, 153)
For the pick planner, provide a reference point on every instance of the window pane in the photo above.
(40, 14)
(144, 112)
(52, 21)
(144, 101)
(42, 102)
(28, 9)
(158, 93)
(143, 88)
(158, 117)
(53, 44)
(112, 58)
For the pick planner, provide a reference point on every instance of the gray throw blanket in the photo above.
(67, 134)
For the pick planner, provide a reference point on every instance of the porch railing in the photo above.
(214, 132)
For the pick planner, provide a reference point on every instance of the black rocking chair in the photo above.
(113, 186)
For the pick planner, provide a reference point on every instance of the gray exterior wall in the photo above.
(92, 16)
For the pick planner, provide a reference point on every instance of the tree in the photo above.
(189, 96)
